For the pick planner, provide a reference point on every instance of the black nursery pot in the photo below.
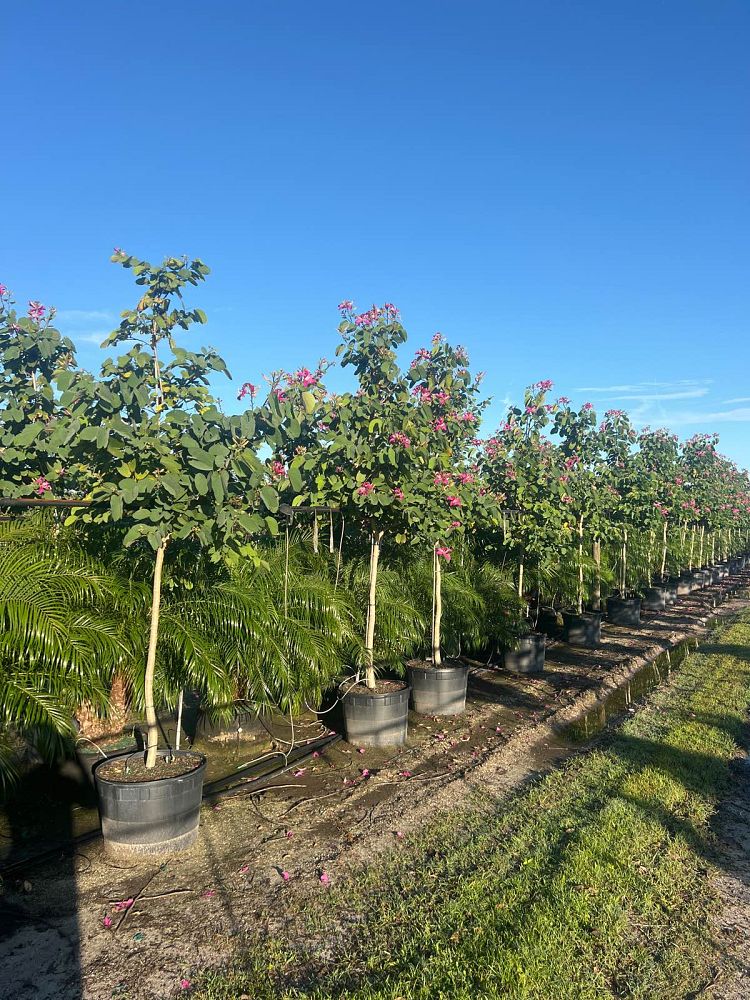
(528, 657)
(583, 629)
(88, 756)
(624, 610)
(151, 817)
(377, 720)
(654, 598)
(685, 585)
(439, 690)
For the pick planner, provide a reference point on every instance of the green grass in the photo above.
(591, 884)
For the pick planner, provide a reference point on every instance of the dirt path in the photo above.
(329, 816)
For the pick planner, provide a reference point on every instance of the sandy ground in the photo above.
(327, 816)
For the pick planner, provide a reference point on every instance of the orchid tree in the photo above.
(34, 428)
(171, 467)
(522, 465)
(619, 473)
(372, 445)
(580, 445)
(447, 495)
(660, 460)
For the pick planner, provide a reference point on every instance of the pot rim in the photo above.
(153, 781)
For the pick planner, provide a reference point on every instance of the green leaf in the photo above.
(270, 498)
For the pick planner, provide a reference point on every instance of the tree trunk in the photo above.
(437, 614)
(580, 564)
(700, 551)
(597, 595)
(520, 579)
(370, 636)
(624, 576)
(692, 546)
(151, 721)
(664, 551)
(315, 534)
(331, 546)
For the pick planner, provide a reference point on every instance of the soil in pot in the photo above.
(529, 655)
(438, 690)
(155, 811)
(583, 629)
(88, 753)
(379, 717)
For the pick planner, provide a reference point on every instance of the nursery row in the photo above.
(313, 539)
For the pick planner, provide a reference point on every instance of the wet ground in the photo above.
(265, 843)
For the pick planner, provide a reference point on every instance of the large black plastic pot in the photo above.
(654, 598)
(439, 690)
(151, 817)
(377, 720)
(582, 630)
(685, 585)
(624, 610)
(528, 657)
(88, 756)
(671, 590)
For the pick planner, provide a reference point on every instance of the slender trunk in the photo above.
(692, 546)
(331, 546)
(664, 551)
(597, 595)
(713, 547)
(437, 614)
(151, 722)
(580, 564)
(649, 557)
(624, 577)
(370, 637)
(315, 534)
(520, 579)
(179, 720)
(700, 551)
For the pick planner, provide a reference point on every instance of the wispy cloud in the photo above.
(737, 415)
(684, 388)
(738, 399)
(85, 316)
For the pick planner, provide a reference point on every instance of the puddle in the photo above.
(617, 704)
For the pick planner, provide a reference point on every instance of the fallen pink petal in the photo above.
(286, 876)
(324, 878)
(107, 921)
(209, 893)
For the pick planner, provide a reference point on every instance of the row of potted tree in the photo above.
(148, 460)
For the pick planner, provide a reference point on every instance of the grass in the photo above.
(591, 884)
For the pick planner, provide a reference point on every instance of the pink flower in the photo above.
(572, 462)
(422, 354)
(466, 478)
(563, 400)
(398, 834)
(289, 834)
(454, 501)
(3, 290)
(185, 984)
(442, 479)
(587, 406)
(247, 389)
(365, 772)
(398, 493)
(299, 772)
(37, 310)
(390, 309)
(286, 876)
(280, 395)
(445, 552)
(439, 425)
(42, 486)
(404, 774)
(468, 418)
(566, 499)
(399, 438)
(346, 306)
(437, 338)
(365, 489)
(278, 468)
(316, 753)
(304, 377)
(325, 879)
(244, 869)
(107, 921)
(564, 479)
(455, 524)
(360, 749)
(124, 904)
(544, 386)
(531, 409)
(209, 893)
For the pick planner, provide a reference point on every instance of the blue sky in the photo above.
(562, 187)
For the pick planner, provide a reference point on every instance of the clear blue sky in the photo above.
(561, 186)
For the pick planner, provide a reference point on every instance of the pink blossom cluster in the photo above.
(42, 485)
(439, 424)
(400, 438)
(247, 389)
(37, 310)
(365, 489)
(278, 468)
(587, 406)
(303, 377)
(566, 499)
(454, 501)
(466, 478)
(544, 386)
(444, 552)
(346, 306)
(442, 479)
(398, 493)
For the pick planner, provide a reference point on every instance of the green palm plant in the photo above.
(61, 639)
